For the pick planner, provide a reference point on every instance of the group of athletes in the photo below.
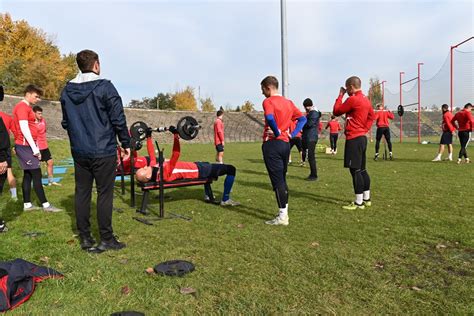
(94, 119)
(28, 127)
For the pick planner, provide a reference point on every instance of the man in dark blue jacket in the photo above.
(93, 117)
(310, 137)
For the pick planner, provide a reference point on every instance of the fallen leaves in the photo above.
(150, 271)
(314, 244)
(125, 290)
(187, 290)
(379, 265)
(440, 246)
(44, 260)
(240, 226)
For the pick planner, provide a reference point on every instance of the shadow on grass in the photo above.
(68, 205)
(9, 209)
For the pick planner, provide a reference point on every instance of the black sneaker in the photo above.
(104, 245)
(311, 178)
(87, 242)
(376, 157)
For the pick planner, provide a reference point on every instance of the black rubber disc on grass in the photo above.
(174, 268)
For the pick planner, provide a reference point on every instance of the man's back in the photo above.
(93, 116)
(284, 112)
(464, 119)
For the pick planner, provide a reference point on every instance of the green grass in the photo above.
(411, 252)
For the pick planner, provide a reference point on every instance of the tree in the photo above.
(207, 105)
(247, 107)
(165, 101)
(185, 100)
(237, 109)
(375, 91)
(29, 56)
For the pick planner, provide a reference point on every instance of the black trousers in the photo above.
(464, 140)
(102, 170)
(382, 131)
(32, 175)
(333, 140)
(309, 148)
(276, 155)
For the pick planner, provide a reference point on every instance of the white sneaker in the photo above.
(31, 208)
(459, 161)
(436, 159)
(279, 221)
(52, 209)
(55, 184)
(467, 160)
(230, 202)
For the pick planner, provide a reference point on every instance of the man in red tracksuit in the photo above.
(465, 123)
(176, 170)
(219, 136)
(279, 113)
(334, 128)
(447, 135)
(359, 119)
(381, 118)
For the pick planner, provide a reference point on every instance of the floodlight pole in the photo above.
(401, 99)
(451, 69)
(284, 50)
(419, 104)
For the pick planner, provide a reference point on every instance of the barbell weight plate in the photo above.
(400, 110)
(188, 128)
(138, 130)
(174, 268)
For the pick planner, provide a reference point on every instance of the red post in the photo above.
(401, 103)
(451, 70)
(419, 104)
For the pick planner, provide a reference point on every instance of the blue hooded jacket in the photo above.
(93, 117)
(310, 129)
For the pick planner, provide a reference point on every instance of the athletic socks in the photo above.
(450, 156)
(283, 213)
(366, 195)
(359, 198)
(228, 183)
(13, 192)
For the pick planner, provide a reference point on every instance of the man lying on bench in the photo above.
(177, 170)
(138, 161)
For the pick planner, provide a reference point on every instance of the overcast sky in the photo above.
(227, 47)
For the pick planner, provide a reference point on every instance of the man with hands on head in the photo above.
(359, 119)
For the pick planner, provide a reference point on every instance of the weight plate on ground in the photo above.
(174, 268)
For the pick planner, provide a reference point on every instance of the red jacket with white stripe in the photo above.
(359, 114)
(174, 169)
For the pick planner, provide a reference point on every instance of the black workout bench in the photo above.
(161, 186)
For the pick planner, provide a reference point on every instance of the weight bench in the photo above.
(150, 186)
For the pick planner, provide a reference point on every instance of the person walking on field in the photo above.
(93, 117)
(43, 144)
(334, 128)
(279, 113)
(219, 136)
(447, 135)
(382, 118)
(27, 151)
(296, 141)
(310, 137)
(359, 119)
(465, 124)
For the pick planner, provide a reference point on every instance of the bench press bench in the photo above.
(161, 186)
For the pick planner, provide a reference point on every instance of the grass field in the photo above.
(411, 252)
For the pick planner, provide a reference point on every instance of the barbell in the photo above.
(187, 128)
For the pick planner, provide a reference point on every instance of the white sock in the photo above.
(13, 192)
(27, 205)
(438, 157)
(359, 198)
(450, 156)
(46, 204)
(366, 195)
(284, 212)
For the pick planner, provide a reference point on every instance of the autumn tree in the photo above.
(207, 105)
(375, 91)
(247, 107)
(185, 100)
(29, 56)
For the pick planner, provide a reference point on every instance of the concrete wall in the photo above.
(239, 127)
